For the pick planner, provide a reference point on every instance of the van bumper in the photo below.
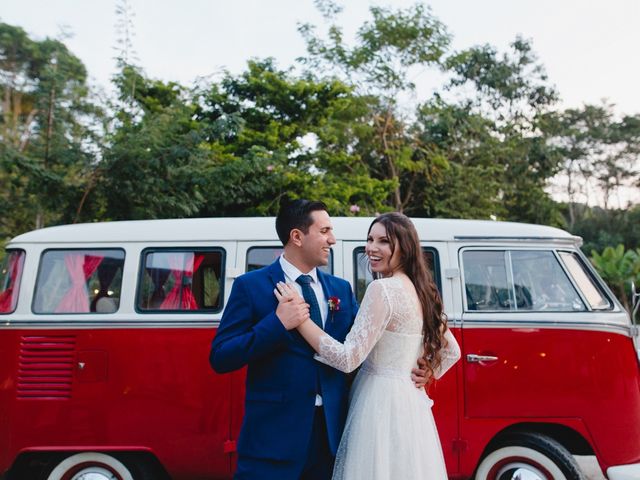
(624, 472)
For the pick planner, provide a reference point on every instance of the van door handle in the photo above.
(480, 358)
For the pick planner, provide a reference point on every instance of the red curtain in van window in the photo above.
(80, 268)
(181, 295)
(188, 300)
(7, 298)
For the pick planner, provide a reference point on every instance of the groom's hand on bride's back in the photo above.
(422, 374)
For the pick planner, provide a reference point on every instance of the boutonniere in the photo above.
(334, 305)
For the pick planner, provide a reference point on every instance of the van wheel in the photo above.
(90, 466)
(529, 456)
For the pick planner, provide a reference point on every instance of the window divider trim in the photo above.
(510, 279)
(566, 271)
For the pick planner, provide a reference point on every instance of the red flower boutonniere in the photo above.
(334, 305)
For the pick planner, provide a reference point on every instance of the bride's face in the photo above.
(378, 250)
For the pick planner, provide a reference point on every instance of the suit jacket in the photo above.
(282, 373)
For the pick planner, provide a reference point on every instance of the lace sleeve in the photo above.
(449, 355)
(373, 317)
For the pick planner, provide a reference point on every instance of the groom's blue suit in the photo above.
(282, 376)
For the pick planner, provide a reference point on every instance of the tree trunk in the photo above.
(39, 219)
(52, 99)
(393, 173)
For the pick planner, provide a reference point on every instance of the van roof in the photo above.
(263, 228)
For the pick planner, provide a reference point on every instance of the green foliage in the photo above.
(272, 134)
(512, 98)
(480, 156)
(48, 146)
(618, 267)
(153, 163)
(514, 81)
(600, 228)
(378, 66)
(388, 46)
(597, 152)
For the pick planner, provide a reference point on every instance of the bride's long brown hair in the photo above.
(402, 234)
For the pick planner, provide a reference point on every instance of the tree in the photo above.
(511, 93)
(46, 129)
(272, 134)
(598, 153)
(152, 165)
(600, 228)
(467, 184)
(479, 154)
(388, 48)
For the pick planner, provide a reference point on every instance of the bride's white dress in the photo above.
(390, 432)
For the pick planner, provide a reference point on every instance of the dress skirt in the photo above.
(390, 433)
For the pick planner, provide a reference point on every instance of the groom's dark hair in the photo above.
(296, 214)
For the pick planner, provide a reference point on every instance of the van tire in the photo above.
(535, 452)
(90, 462)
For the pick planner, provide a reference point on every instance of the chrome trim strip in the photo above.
(114, 324)
(539, 325)
(482, 238)
(214, 323)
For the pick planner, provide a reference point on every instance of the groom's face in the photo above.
(317, 242)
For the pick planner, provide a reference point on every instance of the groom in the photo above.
(295, 406)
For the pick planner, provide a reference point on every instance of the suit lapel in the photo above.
(326, 288)
(275, 272)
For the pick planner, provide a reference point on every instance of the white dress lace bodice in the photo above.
(386, 334)
(390, 431)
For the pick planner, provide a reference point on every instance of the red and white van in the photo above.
(105, 331)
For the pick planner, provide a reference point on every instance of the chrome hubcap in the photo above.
(520, 471)
(94, 473)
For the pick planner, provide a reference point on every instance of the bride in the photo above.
(390, 431)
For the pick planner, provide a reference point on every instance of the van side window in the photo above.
(181, 280)
(591, 290)
(79, 281)
(10, 274)
(258, 257)
(517, 280)
(363, 274)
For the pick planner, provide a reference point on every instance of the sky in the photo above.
(588, 47)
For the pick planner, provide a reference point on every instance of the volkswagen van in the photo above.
(105, 331)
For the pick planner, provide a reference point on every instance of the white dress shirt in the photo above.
(291, 273)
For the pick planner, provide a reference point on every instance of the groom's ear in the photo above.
(295, 237)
